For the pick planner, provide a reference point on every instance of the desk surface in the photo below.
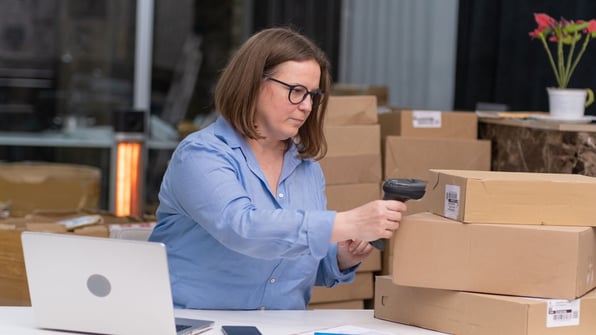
(20, 321)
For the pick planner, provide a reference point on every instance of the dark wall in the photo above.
(319, 20)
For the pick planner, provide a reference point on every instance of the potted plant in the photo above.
(569, 38)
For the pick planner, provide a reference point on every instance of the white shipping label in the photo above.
(562, 313)
(426, 119)
(452, 201)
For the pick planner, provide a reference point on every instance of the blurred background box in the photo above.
(379, 91)
(429, 123)
(357, 147)
(351, 110)
(413, 157)
(49, 186)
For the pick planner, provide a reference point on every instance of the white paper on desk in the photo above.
(347, 330)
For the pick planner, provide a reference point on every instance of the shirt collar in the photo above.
(224, 131)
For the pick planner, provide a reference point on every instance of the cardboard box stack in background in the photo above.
(352, 169)
(415, 141)
(500, 253)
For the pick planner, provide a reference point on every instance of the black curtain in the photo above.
(319, 20)
(498, 62)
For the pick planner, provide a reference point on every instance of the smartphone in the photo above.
(240, 330)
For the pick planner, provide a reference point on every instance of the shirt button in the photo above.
(272, 281)
(281, 195)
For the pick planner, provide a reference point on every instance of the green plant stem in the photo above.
(567, 74)
(551, 60)
(561, 64)
(579, 56)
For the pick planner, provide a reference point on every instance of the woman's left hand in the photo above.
(350, 253)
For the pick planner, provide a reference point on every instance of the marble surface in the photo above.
(522, 146)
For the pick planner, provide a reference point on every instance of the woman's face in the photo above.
(278, 119)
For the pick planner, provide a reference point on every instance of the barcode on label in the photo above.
(426, 119)
(451, 207)
(562, 313)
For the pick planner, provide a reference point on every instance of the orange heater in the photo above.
(129, 167)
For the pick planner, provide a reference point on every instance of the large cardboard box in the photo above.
(49, 186)
(411, 157)
(526, 260)
(429, 123)
(464, 313)
(513, 197)
(351, 110)
(357, 147)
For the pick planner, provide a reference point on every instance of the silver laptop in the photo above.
(102, 285)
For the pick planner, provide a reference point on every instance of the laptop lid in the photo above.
(101, 285)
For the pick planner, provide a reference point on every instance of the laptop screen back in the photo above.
(98, 285)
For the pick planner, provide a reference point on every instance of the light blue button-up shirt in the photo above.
(231, 242)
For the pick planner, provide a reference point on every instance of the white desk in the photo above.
(20, 321)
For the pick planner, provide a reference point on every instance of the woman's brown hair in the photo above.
(238, 87)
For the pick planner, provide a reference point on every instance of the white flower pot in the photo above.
(568, 104)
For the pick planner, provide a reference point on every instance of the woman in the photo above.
(242, 204)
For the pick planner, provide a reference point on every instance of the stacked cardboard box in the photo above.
(418, 140)
(352, 171)
(514, 247)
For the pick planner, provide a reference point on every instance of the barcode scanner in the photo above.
(400, 189)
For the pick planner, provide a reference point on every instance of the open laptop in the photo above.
(102, 285)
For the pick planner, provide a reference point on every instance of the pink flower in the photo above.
(591, 26)
(544, 21)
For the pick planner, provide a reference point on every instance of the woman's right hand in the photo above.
(369, 222)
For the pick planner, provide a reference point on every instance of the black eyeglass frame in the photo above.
(315, 95)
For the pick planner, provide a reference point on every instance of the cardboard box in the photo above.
(371, 263)
(364, 168)
(410, 157)
(361, 288)
(513, 197)
(381, 92)
(351, 110)
(348, 196)
(49, 186)
(358, 147)
(525, 260)
(429, 123)
(465, 313)
(353, 140)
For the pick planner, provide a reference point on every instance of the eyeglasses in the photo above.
(298, 93)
